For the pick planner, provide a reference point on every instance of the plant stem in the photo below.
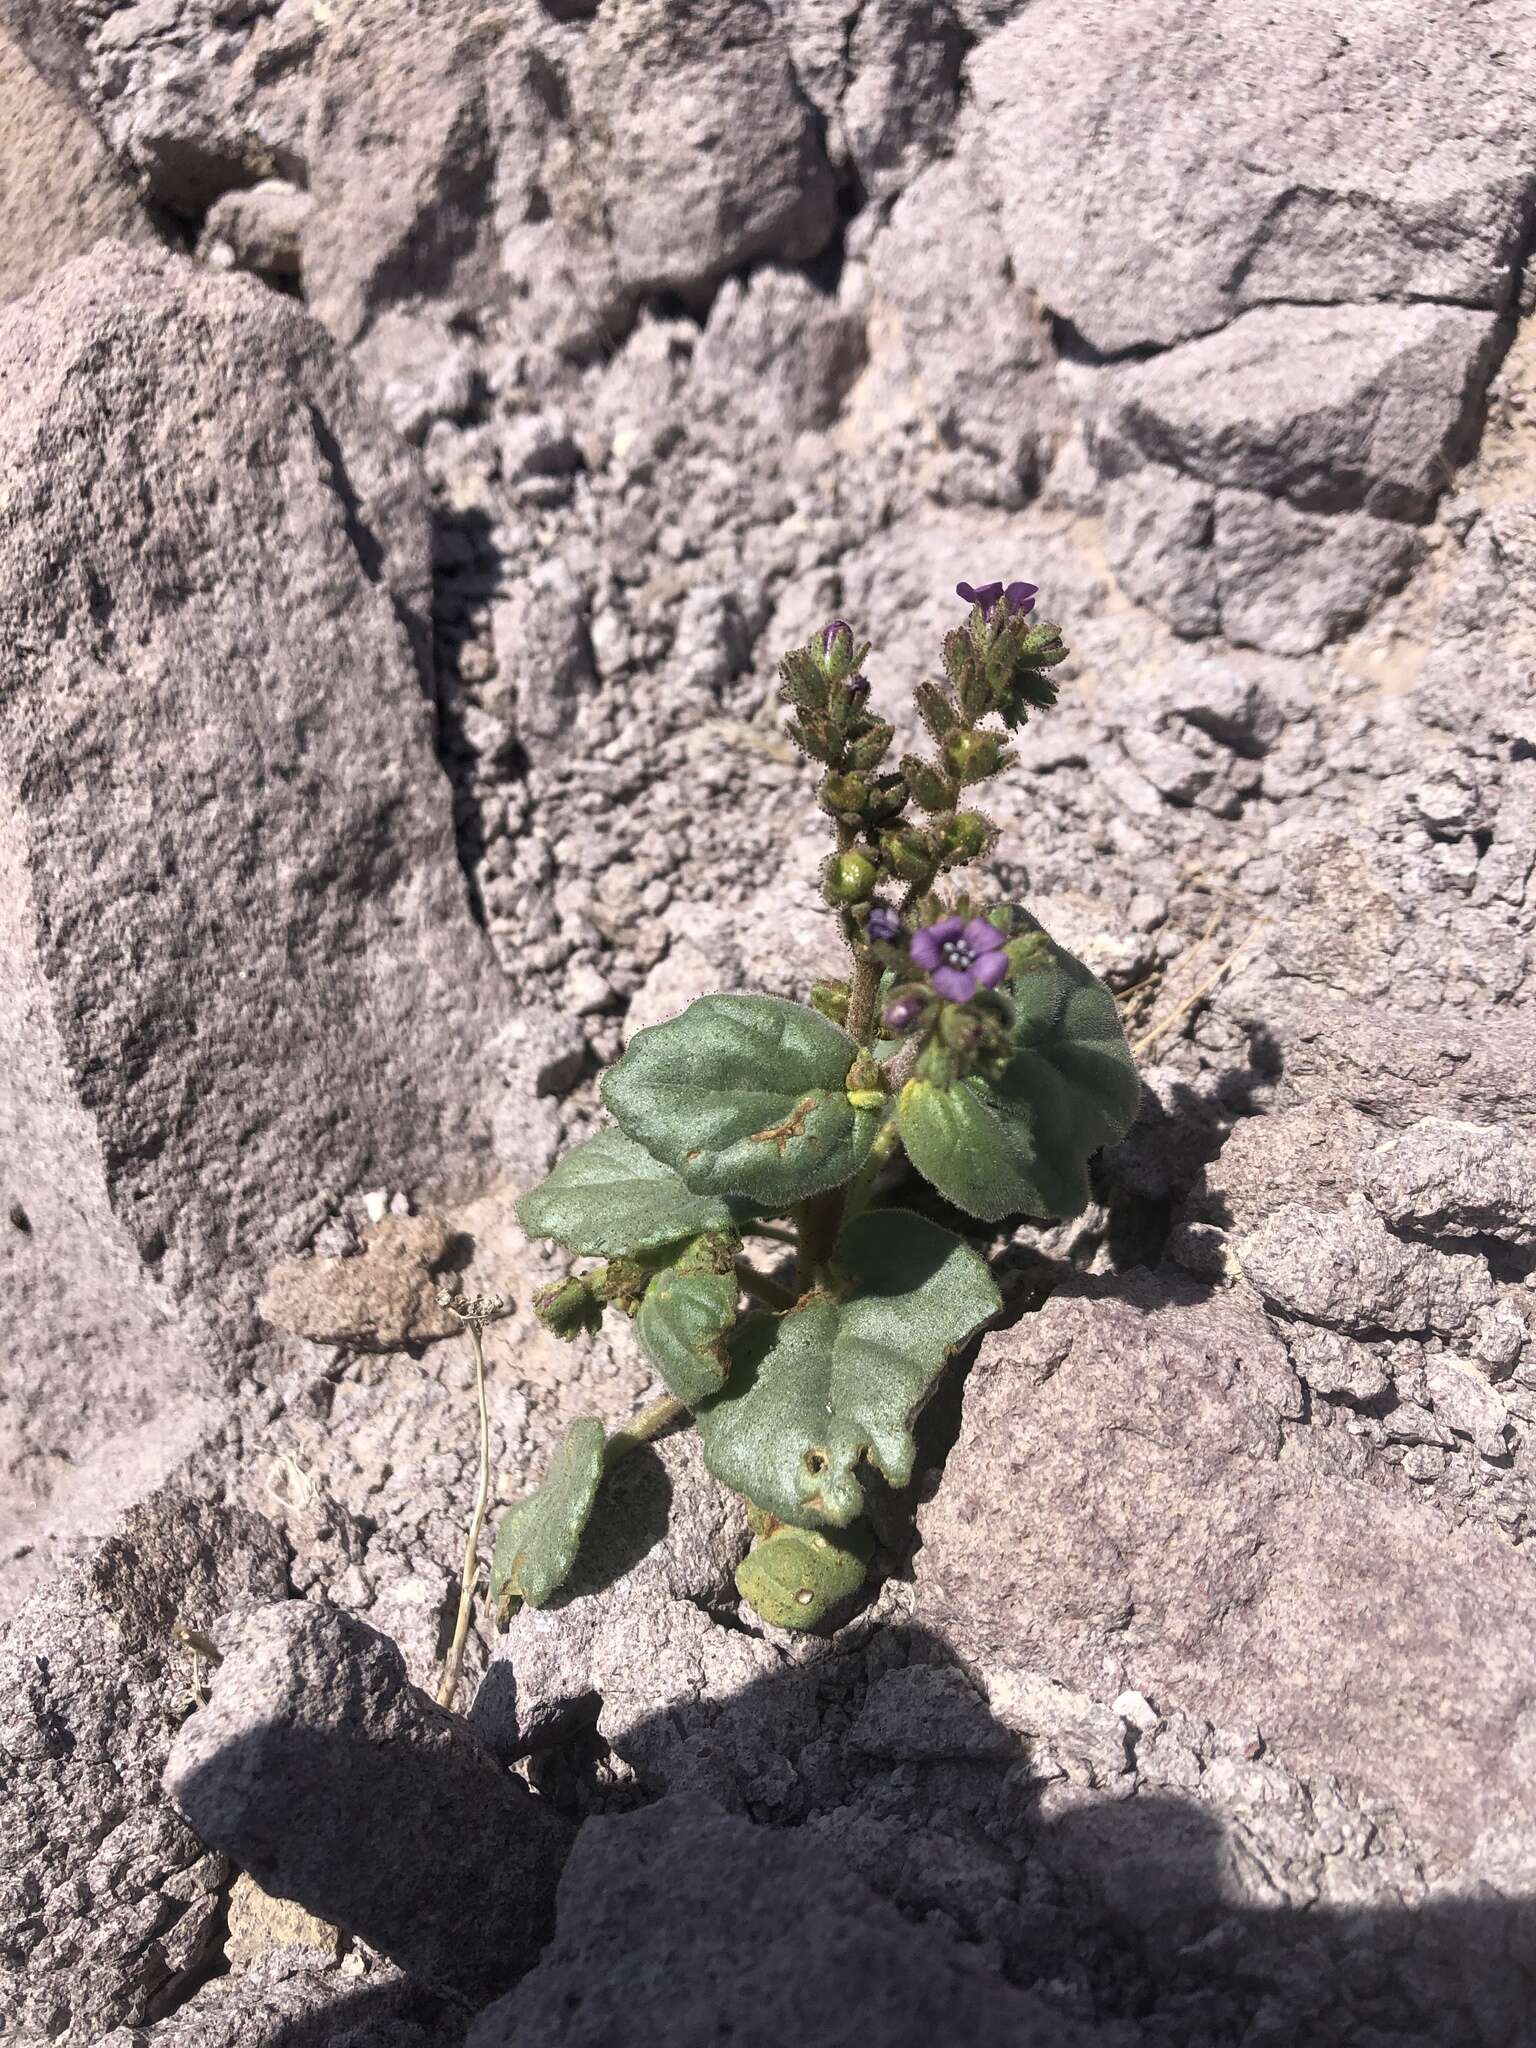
(649, 1423)
(450, 1679)
(861, 1000)
(769, 1292)
(858, 1191)
(819, 1221)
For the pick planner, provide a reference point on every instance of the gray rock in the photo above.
(59, 189)
(1291, 581)
(902, 96)
(1119, 1493)
(217, 751)
(543, 653)
(283, 2003)
(260, 227)
(319, 1768)
(1158, 529)
(107, 1900)
(777, 356)
(1333, 408)
(685, 1925)
(1344, 1268)
(1451, 1179)
(1256, 161)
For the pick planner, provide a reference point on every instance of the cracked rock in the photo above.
(1450, 1179)
(380, 1299)
(1344, 1267)
(107, 1898)
(319, 1769)
(686, 1925)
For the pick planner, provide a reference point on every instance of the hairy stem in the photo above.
(819, 1221)
(450, 1679)
(858, 1191)
(769, 1292)
(649, 1423)
(863, 990)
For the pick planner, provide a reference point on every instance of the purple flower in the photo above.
(884, 926)
(830, 631)
(1017, 598)
(959, 958)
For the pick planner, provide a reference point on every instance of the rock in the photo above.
(261, 1926)
(543, 654)
(286, 2002)
(217, 751)
(1449, 1179)
(777, 355)
(1345, 1268)
(1468, 1405)
(903, 68)
(1118, 1512)
(1291, 581)
(319, 1769)
(260, 228)
(924, 1713)
(631, 1643)
(380, 1299)
(107, 1901)
(1332, 408)
(59, 189)
(1256, 162)
(682, 1924)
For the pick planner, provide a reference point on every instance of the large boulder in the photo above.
(242, 975)
(1134, 1501)
(108, 1901)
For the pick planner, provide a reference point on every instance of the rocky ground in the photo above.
(401, 515)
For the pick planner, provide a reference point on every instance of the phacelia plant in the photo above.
(964, 1047)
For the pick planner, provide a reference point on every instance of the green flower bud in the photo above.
(848, 878)
(813, 736)
(622, 1281)
(801, 681)
(569, 1309)
(831, 998)
(906, 855)
(1042, 646)
(973, 756)
(870, 748)
(935, 710)
(866, 1083)
(967, 836)
(844, 794)
(795, 1578)
(935, 792)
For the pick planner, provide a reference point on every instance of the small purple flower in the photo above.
(1017, 598)
(903, 1013)
(830, 631)
(959, 958)
(884, 926)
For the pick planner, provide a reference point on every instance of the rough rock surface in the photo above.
(242, 971)
(1214, 322)
(319, 1768)
(108, 1901)
(687, 1925)
(60, 190)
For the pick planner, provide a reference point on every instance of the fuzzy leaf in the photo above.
(841, 1380)
(796, 1577)
(1021, 1145)
(744, 1095)
(682, 1326)
(608, 1198)
(539, 1536)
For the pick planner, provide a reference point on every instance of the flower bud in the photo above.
(844, 794)
(904, 1011)
(831, 999)
(848, 878)
(967, 836)
(907, 855)
(883, 925)
(935, 792)
(866, 1083)
(973, 756)
(568, 1309)
(935, 709)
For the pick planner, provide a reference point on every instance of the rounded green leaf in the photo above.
(795, 1578)
(837, 1382)
(744, 1095)
(537, 1541)
(682, 1326)
(608, 1198)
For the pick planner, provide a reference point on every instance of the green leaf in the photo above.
(840, 1380)
(744, 1095)
(682, 1326)
(608, 1198)
(796, 1577)
(1021, 1144)
(539, 1536)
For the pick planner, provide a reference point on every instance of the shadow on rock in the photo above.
(939, 1867)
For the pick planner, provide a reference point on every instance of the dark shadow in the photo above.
(1134, 1914)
